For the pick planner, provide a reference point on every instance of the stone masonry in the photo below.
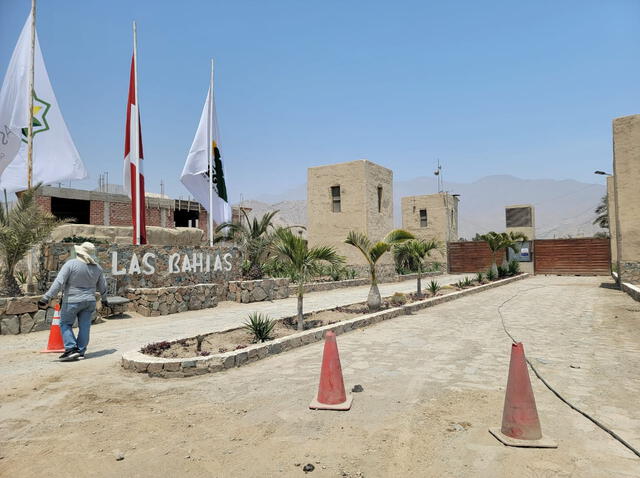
(153, 302)
(358, 196)
(626, 167)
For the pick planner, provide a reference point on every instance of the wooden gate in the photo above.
(470, 256)
(588, 256)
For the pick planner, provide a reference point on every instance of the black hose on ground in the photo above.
(553, 390)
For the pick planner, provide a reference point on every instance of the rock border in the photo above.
(187, 367)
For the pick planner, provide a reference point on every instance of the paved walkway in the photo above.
(433, 383)
(120, 335)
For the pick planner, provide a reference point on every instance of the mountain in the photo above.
(562, 207)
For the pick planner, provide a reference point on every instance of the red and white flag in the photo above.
(133, 175)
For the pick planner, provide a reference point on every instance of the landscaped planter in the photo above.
(187, 367)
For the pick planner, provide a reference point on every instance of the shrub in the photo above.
(435, 267)
(80, 239)
(433, 287)
(467, 282)
(514, 268)
(398, 298)
(491, 275)
(480, 277)
(502, 271)
(460, 284)
(260, 326)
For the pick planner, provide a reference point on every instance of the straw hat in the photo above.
(86, 252)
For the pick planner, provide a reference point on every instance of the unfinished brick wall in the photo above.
(44, 202)
(119, 214)
(96, 213)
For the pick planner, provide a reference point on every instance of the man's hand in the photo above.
(43, 302)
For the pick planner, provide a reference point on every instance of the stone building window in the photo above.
(379, 198)
(335, 198)
(423, 218)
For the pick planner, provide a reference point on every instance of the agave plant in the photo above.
(480, 277)
(467, 282)
(415, 251)
(491, 275)
(372, 252)
(433, 287)
(260, 326)
(514, 267)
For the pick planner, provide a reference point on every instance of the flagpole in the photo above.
(210, 154)
(31, 82)
(136, 157)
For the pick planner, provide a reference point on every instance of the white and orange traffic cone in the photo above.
(55, 345)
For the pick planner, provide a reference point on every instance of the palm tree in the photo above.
(21, 228)
(415, 252)
(372, 252)
(255, 237)
(301, 262)
(502, 240)
(602, 211)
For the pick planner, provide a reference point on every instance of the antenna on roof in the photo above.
(438, 174)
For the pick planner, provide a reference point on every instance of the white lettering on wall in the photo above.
(196, 262)
(218, 264)
(134, 266)
(173, 263)
(114, 265)
(186, 265)
(227, 261)
(147, 267)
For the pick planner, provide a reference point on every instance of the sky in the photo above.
(495, 87)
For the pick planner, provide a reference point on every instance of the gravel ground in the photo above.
(433, 383)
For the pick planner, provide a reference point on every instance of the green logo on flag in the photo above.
(39, 117)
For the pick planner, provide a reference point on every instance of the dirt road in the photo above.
(433, 383)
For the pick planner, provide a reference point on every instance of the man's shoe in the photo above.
(70, 355)
(81, 357)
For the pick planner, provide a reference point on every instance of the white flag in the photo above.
(55, 158)
(195, 175)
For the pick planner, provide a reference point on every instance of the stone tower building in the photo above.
(432, 216)
(357, 196)
(626, 170)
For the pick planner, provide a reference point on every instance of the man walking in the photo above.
(78, 279)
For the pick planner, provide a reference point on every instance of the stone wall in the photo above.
(152, 302)
(21, 315)
(135, 267)
(257, 290)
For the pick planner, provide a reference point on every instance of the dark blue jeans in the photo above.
(82, 311)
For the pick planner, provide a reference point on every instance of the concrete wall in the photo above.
(442, 220)
(626, 168)
(358, 182)
(611, 200)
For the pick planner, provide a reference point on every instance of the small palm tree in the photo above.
(254, 236)
(21, 228)
(415, 251)
(498, 241)
(372, 252)
(301, 262)
(602, 213)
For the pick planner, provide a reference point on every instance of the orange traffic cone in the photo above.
(520, 422)
(55, 344)
(331, 393)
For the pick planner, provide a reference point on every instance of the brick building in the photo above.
(109, 209)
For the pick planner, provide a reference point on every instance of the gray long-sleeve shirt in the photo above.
(79, 280)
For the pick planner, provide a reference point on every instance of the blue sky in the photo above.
(495, 87)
